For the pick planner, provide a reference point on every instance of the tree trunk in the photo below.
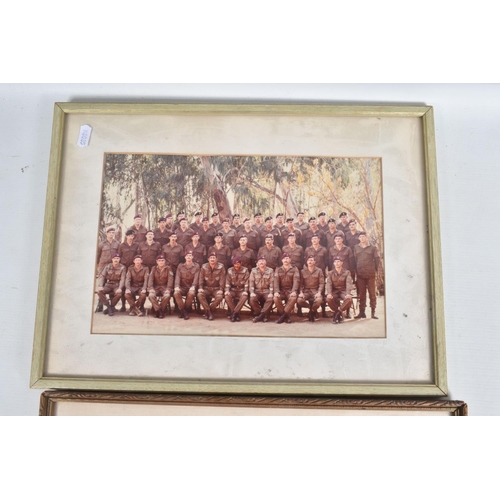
(216, 188)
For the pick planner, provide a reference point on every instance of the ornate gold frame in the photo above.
(437, 388)
(49, 400)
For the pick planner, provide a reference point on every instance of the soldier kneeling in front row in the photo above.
(338, 287)
(110, 282)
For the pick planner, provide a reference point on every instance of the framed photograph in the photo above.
(241, 249)
(75, 403)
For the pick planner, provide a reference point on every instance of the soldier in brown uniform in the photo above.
(177, 223)
(139, 229)
(111, 282)
(320, 255)
(223, 252)
(196, 225)
(253, 237)
(184, 233)
(105, 250)
(344, 252)
(216, 223)
(186, 283)
(312, 231)
(149, 250)
(136, 284)
(280, 225)
(352, 236)
(338, 288)
(286, 288)
(331, 233)
(261, 288)
(367, 261)
(160, 284)
(207, 233)
(271, 253)
(290, 228)
(301, 222)
(228, 235)
(128, 250)
(236, 225)
(322, 223)
(257, 225)
(199, 249)
(173, 252)
(212, 282)
(312, 287)
(343, 225)
(236, 288)
(170, 222)
(161, 233)
(247, 255)
(269, 229)
(296, 252)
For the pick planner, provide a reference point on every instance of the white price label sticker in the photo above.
(84, 137)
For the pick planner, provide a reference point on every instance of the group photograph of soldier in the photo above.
(229, 245)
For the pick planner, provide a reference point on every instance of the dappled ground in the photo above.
(122, 323)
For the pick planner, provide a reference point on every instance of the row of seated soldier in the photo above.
(336, 270)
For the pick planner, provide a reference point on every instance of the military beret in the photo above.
(351, 221)
(311, 257)
(291, 234)
(197, 213)
(342, 214)
(236, 215)
(258, 214)
(204, 219)
(111, 229)
(196, 233)
(339, 234)
(129, 232)
(150, 231)
(337, 257)
(285, 255)
(160, 257)
(279, 215)
(169, 216)
(115, 255)
(172, 235)
(189, 252)
(362, 232)
(137, 216)
(212, 254)
(312, 218)
(162, 219)
(269, 236)
(246, 219)
(243, 236)
(235, 259)
(220, 234)
(289, 219)
(268, 218)
(137, 257)
(181, 213)
(182, 218)
(261, 257)
(215, 214)
(315, 236)
(300, 213)
(321, 214)
(331, 219)
(226, 220)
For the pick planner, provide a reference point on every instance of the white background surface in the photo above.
(468, 151)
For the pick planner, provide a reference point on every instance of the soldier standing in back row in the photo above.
(343, 225)
(352, 236)
(301, 222)
(139, 229)
(161, 233)
(367, 262)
